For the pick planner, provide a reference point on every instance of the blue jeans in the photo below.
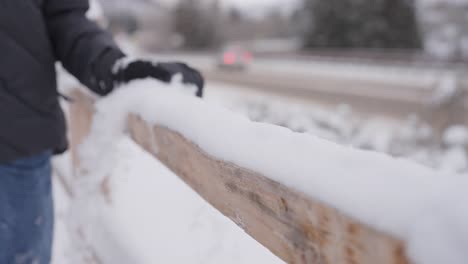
(26, 211)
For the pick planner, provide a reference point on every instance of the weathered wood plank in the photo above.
(81, 113)
(293, 226)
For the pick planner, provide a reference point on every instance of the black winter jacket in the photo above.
(34, 34)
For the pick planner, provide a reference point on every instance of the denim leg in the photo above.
(26, 211)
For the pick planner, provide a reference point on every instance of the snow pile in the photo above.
(143, 213)
(426, 209)
(447, 90)
(411, 138)
(455, 140)
(456, 136)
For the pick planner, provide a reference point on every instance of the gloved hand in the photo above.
(125, 71)
(113, 69)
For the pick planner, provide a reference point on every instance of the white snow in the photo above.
(143, 213)
(411, 138)
(63, 245)
(454, 159)
(447, 90)
(456, 135)
(425, 208)
(95, 11)
(447, 2)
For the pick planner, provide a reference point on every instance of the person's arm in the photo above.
(91, 55)
(84, 49)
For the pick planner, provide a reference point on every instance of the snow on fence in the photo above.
(305, 199)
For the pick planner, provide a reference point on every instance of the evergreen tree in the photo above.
(197, 23)
(361, 24)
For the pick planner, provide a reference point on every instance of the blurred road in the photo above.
(392, 90)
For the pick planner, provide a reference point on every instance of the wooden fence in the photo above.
(293, 226)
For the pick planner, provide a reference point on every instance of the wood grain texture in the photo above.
(81, 115)
(295, 227)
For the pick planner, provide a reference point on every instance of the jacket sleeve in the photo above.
(84, 49)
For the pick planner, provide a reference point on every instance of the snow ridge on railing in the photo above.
(306, 199)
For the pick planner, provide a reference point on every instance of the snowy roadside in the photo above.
(411, 138)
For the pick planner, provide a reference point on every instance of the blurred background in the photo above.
(385, 75)
(381, 75)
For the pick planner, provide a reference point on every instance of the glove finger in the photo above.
(189, 75)
(200, 83)
(194, 76)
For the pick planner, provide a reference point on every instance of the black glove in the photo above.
(140, 69)
(112, 69)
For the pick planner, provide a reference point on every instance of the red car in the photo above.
(234, 58)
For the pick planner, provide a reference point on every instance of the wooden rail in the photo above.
(293, 226)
